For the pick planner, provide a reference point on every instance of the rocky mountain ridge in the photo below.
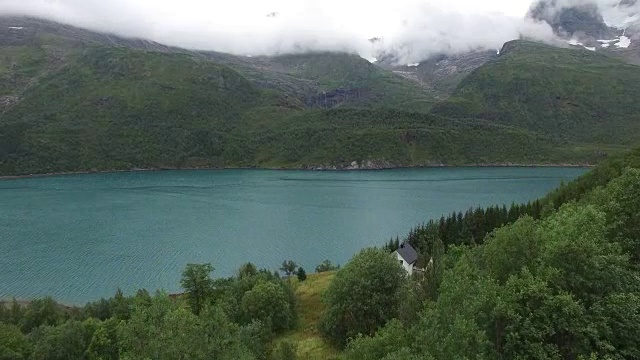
(577, 24)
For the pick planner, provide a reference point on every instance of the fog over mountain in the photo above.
(412, 30)
(615, 13)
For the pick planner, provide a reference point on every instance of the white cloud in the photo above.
(250, 27)
(429, 30)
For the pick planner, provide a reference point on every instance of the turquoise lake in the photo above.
(80, 237)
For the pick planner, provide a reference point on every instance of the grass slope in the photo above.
(570, 95)
(309, 343)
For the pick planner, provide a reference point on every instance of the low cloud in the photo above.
(429, 31)
(412, 29)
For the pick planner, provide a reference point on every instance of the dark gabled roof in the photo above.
(408, 253)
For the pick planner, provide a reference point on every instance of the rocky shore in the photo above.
(385, 165)
(352, 166)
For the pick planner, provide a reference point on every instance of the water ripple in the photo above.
(79, 238)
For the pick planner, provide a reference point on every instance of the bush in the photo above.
(387, 340)
(363, 296)
(267, 302)
(13, 344)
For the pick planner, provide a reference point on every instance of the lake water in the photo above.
(80, 237)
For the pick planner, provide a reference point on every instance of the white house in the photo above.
(407, 256)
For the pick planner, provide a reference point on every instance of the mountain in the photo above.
(577, 24)
(582, 25)
(326, 80)
(309, 78)
(570, 95)
(75, 100)
(25, 31)
(579, 19)
(439, 74)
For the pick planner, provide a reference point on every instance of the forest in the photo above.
(557, 278)
(233, 318)
(554, 279)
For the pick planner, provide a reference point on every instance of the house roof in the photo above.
(408, 253)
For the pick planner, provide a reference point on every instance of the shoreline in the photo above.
(309, 168)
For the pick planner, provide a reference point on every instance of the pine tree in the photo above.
(301, 274)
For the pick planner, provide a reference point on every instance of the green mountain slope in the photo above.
(71, 100)
(391, 138)
(569, 95)
(359, 82)
(112, 108)
(121, 108)
(328, 80)
(320, 80)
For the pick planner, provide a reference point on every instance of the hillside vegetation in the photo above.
(120, 108)
(74, 100)
(350, 79)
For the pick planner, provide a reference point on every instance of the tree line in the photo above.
(469, 228)
(225, 318)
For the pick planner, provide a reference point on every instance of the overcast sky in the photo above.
(420, 28)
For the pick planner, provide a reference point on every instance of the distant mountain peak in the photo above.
(587, 18)
(568, 20)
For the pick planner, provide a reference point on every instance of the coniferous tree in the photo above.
(301, 274)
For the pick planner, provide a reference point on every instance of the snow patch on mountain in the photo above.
(413, 65)
(624, 42)
(574, 42)
(621, 42)
(16, 27)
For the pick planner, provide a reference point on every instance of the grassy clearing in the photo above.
(310, 307)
